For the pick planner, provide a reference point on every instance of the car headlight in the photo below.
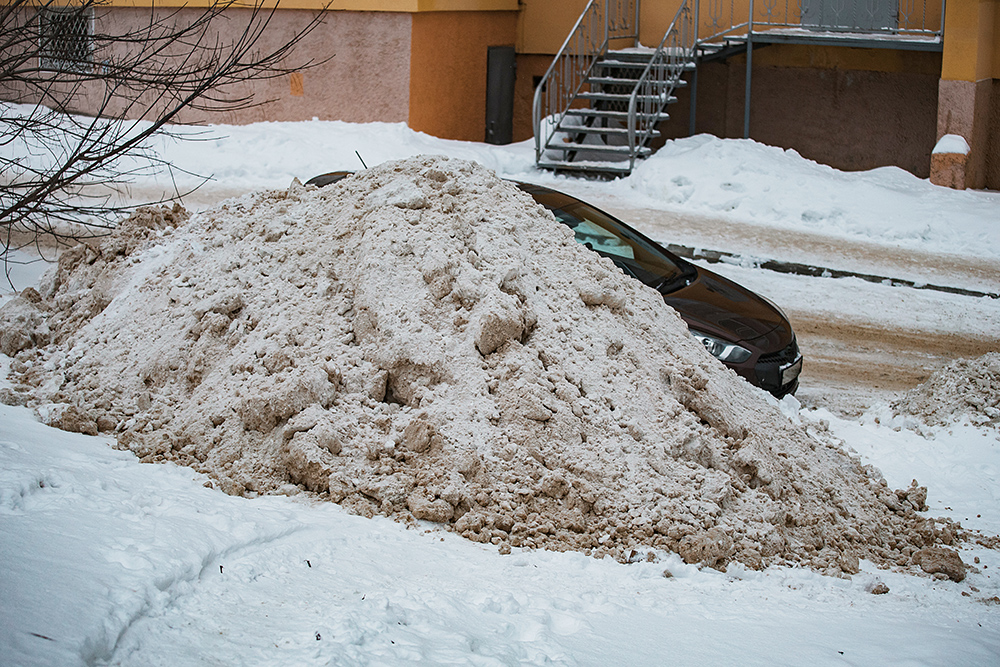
(721, 349)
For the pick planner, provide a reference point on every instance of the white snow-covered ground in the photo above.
(109, 561)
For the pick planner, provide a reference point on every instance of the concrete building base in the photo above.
(968, 109)
(949, 169)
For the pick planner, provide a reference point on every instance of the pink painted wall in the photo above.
(364, 73)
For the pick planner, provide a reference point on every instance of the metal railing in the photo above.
(700, 26)
(673, 57)
(876, 18)
(600, 22)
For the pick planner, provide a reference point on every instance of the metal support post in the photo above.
(694, 101)
(637, 42)
(693, 113)
(746, 98)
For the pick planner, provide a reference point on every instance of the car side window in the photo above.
(599, 232)
(600, 239)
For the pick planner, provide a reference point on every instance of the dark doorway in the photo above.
(500, 74)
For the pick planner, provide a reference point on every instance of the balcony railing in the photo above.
(874, 19)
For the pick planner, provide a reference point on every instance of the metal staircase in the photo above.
(599, 104)
(597, 109)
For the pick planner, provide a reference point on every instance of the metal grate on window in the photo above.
(66, 38)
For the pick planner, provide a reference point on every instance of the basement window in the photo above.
(67, 38)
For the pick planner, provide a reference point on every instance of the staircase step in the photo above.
(612, 168)
(617, 97)
(616, 59)
(615, 81)
(626, 64)
(606, 131)
(572, 146)
(617, 71)
(611, 80)
(610, 115)
(722, 51)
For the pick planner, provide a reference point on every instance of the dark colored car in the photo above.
(743, 330)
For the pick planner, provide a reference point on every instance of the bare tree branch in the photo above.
(134, 73)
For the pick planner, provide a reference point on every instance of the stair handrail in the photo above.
(599, 23)
(668, 63)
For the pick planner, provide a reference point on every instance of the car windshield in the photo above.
(631, 252)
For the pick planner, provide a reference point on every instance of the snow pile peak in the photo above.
(423, 341)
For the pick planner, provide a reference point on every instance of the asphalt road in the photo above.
(855, 352)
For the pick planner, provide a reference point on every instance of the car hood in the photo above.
(719, 307)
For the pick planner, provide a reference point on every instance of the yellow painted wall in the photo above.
(972, 40)
(544, 24)
(448, 70)
(655, 18)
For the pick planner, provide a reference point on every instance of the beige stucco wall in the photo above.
(366, 77)
(363, 73)
(426, 67)
(972, 110)
(407, 6)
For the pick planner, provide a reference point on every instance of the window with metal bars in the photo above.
(66, 35)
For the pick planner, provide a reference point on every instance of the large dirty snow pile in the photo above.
(422, 340)
(965, 390)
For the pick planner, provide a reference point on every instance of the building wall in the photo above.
(362, 75)
(850, 108)
(544, 24)
(968, 90)
(424, 62)
(447, 88)
(993, 147)
(406, 6)
(365, 78)
(366, 58)
(530, 69)
(992, 162)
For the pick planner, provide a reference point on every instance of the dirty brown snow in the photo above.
(422, 341)
(964, 390)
